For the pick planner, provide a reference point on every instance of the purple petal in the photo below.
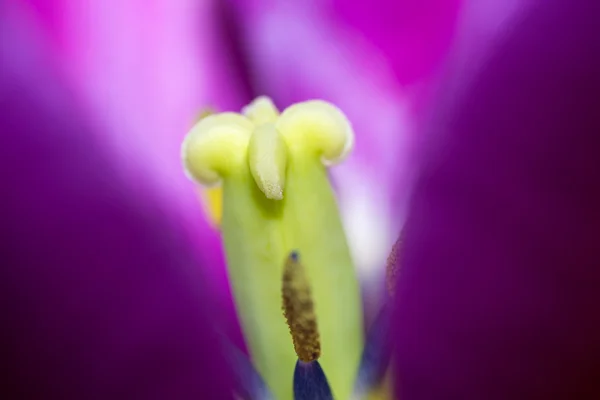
(376, 354)
(247, 382)
(144, 70)
(413, 38)
(101, 293)
(498, 293)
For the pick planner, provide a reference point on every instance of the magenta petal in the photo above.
(145, 69)
(101, 296)
(413, 37)
(498, 296)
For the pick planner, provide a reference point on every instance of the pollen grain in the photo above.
(298, 309)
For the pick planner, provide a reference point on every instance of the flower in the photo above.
(498, 292)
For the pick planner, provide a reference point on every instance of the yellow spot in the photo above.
(299, 311)
(212, 199)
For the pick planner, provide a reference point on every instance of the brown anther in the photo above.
(298, 309)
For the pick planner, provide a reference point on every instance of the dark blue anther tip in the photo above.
(294, 255)
(310, 382)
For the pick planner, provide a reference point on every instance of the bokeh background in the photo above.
(144, 70)
(140, 72)
(112, 276)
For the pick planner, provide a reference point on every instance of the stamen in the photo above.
(310, 382)
(299, 311)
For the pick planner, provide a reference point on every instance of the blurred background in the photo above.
(143, 70)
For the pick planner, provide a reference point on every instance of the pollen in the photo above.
(298, 309)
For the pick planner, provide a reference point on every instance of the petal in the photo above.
(144, 69)
(376, 354)
(247, 382)
(498, 293)
(101, 293)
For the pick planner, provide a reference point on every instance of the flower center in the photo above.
(276, 198)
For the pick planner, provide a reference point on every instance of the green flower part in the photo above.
(277, 198)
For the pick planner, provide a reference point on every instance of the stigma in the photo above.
(272, 200)
(220, 144)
